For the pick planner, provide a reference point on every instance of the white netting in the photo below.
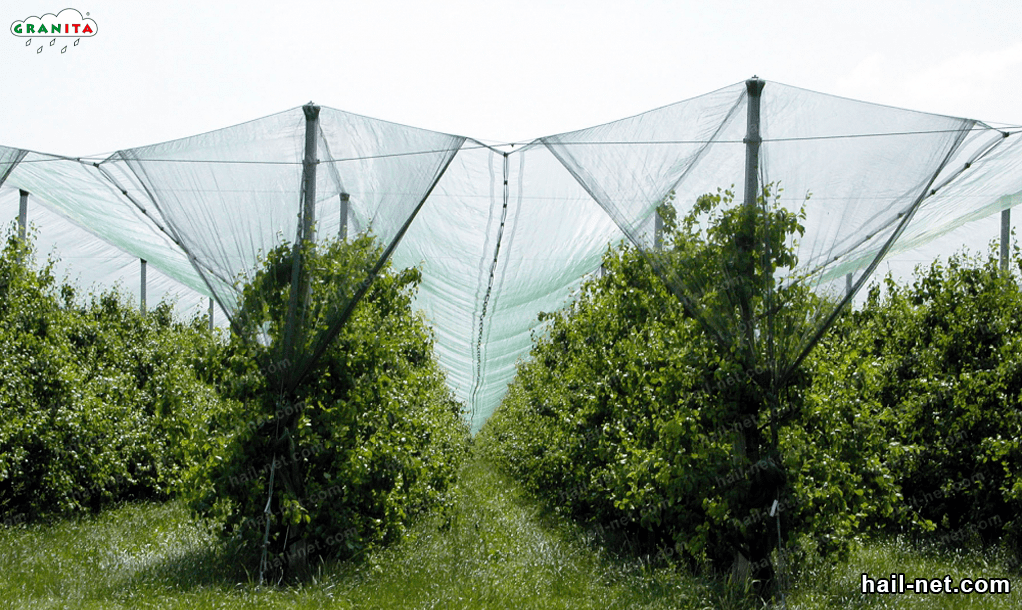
(505, 233)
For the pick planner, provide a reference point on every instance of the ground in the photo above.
(494, 549)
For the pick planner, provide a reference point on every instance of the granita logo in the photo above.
(68, 23)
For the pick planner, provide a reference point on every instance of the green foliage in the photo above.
(631, 416)
(935, 366)
(724, 260)
(100, 403)
(843, 457)
(905, 418)
(372, 437)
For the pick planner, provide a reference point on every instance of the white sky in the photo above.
(507, 71)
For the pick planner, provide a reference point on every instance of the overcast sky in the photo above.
(497, 71)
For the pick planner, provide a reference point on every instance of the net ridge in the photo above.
(205, 211)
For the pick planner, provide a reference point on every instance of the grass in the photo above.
(494, 549)
(839, 586)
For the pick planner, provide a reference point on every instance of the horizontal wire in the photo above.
(765, 140)
(85, 160)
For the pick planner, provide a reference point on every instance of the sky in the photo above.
(495, 71)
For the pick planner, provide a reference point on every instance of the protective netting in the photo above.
(94, 264)
(504, 236)
(858, 171)
(504, 233)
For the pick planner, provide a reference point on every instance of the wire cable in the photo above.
(1007, 131)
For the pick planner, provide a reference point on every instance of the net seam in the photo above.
(489, 287)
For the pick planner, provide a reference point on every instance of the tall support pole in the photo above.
(308, 211)
(658, 231)
(848, 283)
(291, 477)
(22, 220)
(311, 144)
(1005, 237)
(747, 230)
(23, 214)
(211, 314)
(142, 297)
(751, 444)
(342, 232)
(300, 286)
(754, 87)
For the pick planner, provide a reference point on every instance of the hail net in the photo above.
(502, 234)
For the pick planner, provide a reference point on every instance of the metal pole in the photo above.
(211, 313)
(848, 283)
(1005, 237)
(311, 142)
(23, 215)
(345, 204)
(142, 300)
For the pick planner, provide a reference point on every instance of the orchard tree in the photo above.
(654, 405)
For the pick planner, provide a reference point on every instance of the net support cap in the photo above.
(755, 86)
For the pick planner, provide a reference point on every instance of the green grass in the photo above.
(494, 549)
(839, 586)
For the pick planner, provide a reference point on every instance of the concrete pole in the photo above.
(23, 215)
(1005, 237)
(848, 283)
(309, 211)
(345, 205)
(754, 86)
(142, 299)
(311, 144)
(211, 314)
(658, 231)
(753, 140)
(301, 289)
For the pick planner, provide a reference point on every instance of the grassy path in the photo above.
(491, 551)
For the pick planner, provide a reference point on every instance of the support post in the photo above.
(309, 188)
(747, 230)
(342, 233)
(1005, 237)
(298, 304)
(754, 87)
(301, 289)
(23, 215)
(211, 314)
(658, 231)
(751, 444)
(848, 283)
(142, 298)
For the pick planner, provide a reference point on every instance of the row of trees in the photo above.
(632, 417)
(372, 437)
(654, 419)
(653, 415)
(103, 404)
(100, 403)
